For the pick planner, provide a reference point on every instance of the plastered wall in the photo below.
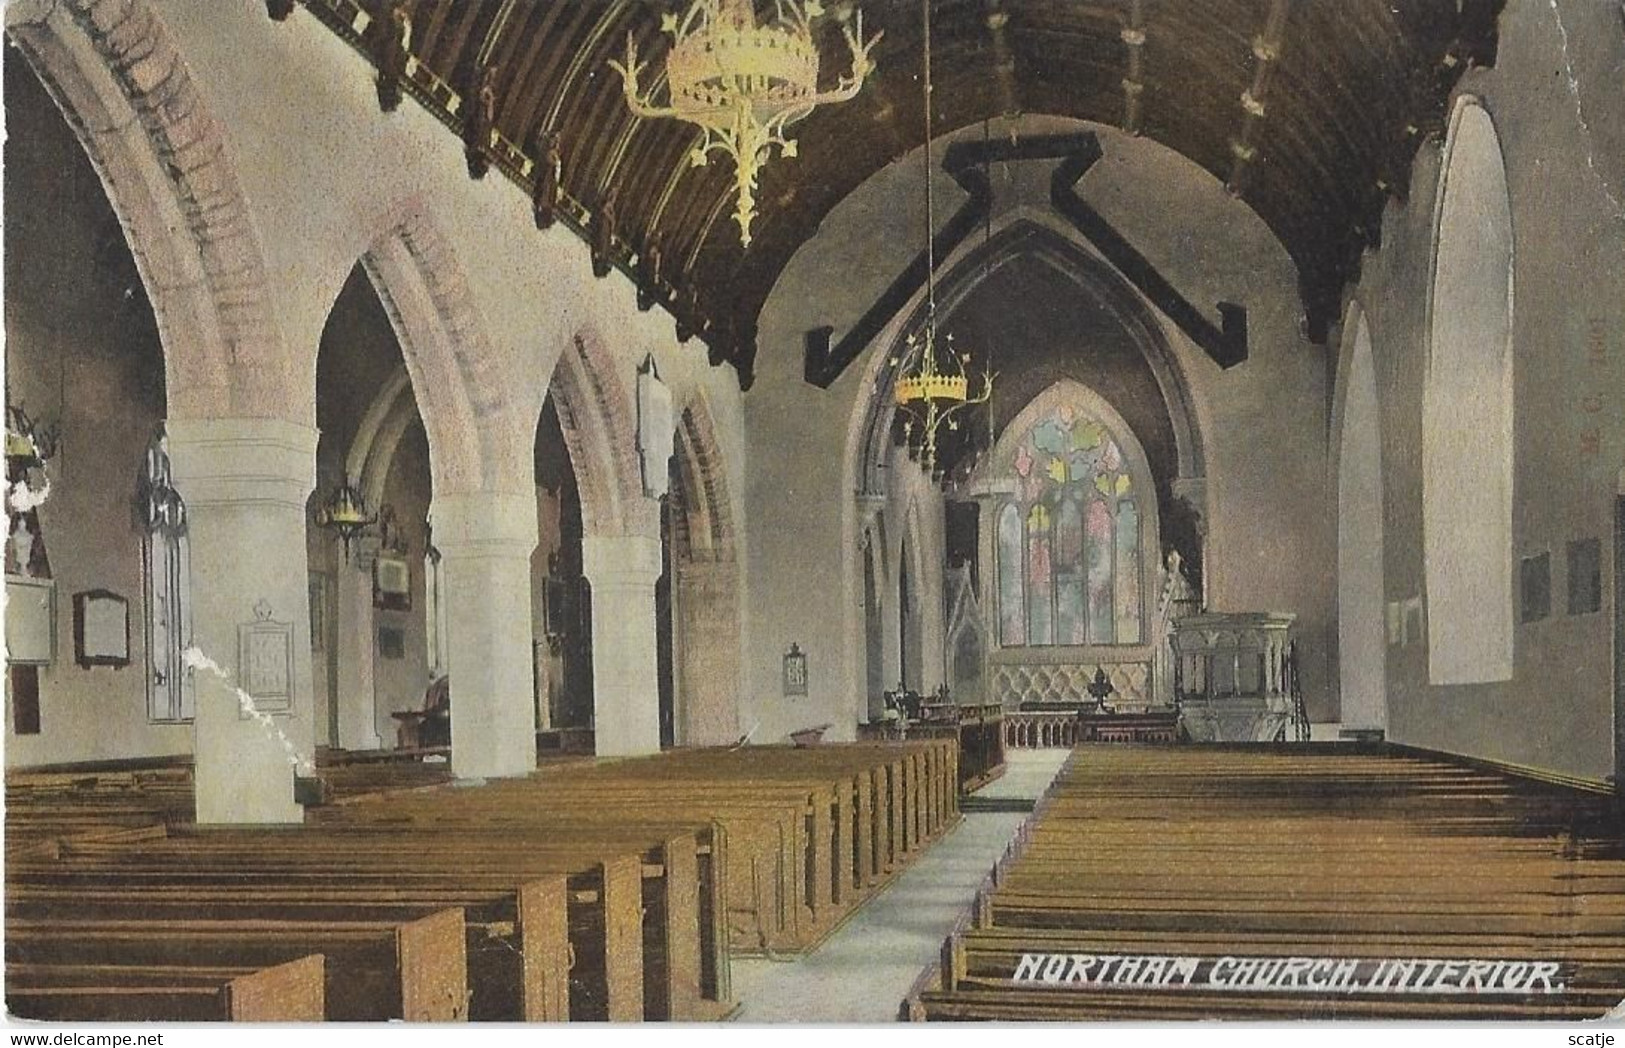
(1560, 126)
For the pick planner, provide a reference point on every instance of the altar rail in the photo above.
(1052, 729)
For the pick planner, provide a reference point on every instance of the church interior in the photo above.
(779, 510)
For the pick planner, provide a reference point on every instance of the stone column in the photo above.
(357, 648)
(246, 483)
(706, 605)
(622, 570)
(485, 541)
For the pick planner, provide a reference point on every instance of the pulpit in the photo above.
(1235, 677)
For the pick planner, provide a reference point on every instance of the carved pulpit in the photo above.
(1234, 677)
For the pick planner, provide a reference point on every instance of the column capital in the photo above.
(242, 461)
(484, 524)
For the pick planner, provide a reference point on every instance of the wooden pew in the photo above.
(1236, 852)
(374, 970)
(533, 895)
(284, 993)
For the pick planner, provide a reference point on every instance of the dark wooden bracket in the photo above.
(825, 360)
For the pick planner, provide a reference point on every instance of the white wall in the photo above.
(1553, 96)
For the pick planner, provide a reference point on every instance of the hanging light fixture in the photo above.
(743, 83)
(345, 512)
(934, 384)
(29, 444)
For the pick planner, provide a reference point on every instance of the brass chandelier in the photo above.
(743, 83)
(933, 385)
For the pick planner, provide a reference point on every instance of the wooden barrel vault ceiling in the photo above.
(1309, 110)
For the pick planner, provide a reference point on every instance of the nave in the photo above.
(467, 558)
(828, 885)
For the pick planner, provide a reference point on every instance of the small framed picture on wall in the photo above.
(392, 583)
(795, 671)
(101, 629)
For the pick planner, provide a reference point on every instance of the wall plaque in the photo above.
(101, 629)
(265, 661)
(795, 671)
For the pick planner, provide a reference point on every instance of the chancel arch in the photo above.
(1467, 412)
(1361, 642)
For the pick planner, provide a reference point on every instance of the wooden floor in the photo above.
(1228, 859)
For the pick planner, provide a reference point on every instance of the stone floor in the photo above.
(862, 973)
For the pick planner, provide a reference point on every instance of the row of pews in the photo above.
(591, 890)
(1200, 882)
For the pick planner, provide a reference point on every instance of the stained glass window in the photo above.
(1068, 538)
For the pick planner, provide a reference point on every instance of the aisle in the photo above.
(863, 972)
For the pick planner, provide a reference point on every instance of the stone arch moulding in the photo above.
(126, 91)
(710, 528)
(599, 421)
(1467, 410)
(1024, 238)
(372, 453)
(708, 642)
(454, 378)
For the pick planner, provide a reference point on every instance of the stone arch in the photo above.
(454, 379)
(599, 421)
(707, 651)
(127, 92)
(707, 525)
(1357, 444)
(1467, 411)
(1026, 239)
(372, 451)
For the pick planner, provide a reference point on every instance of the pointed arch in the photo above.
(161, 155)
(453, 376)
(708, 525)
(599, 422)
(707, 647)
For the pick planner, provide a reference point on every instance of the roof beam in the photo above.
(1133, 37)
(1266, 52)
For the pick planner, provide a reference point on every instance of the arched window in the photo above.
(1069, 538)
(1467, 413)
(167, 589)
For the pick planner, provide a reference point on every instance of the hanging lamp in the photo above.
(345, 513)
(742, 83)
(933, 385)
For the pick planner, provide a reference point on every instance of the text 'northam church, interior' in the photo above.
(796, 511)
